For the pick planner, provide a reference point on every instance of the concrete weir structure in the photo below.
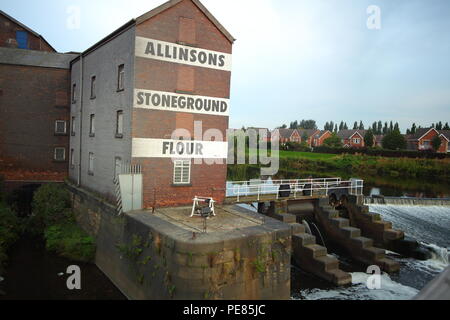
(165, 254)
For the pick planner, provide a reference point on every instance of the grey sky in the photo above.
(300, 59)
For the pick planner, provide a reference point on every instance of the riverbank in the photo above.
(404, 173)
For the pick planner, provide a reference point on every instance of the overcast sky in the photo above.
(299, 59)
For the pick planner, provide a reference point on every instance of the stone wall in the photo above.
(149, 258)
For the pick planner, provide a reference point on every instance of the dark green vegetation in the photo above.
(9, 232)
(303, 164)
(53, 219)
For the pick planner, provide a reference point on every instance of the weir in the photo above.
(407, 201)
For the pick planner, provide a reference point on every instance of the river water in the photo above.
(429, 225)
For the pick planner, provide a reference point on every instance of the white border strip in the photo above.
(175, 102)
(167, 51)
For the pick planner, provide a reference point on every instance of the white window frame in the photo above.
(72, 126)
(65, 126)
(72, 158)
(91, 163)
(121, 77)
(119, 124)
(92, 125)
(93, 88)
(183, 165)
(64, 154)
(356, 140)
(74, 93)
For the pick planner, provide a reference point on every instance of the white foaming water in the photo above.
(430, 226)
(390, 290)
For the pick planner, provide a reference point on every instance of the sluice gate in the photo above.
(337, 208)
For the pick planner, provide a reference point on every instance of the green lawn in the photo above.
(306, 155)
(297, 154)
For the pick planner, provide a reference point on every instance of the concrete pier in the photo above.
(164, 254)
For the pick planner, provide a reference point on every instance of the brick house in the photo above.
(422, 138)
(34, 113)
(308, 134)
(285, 135)
(319, 138)
(129, 117)
(352, 138)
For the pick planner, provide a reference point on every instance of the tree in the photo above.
(446, 127)
(308, 124)
(413, 128)
(333, 142)
(394, 141)
(369, 138)
(345, 126)
(336, 129)
(385, 128)
(361, 126)
(391, 127)
(380, 127)
(341, 126)
(326, 127)
(436, 143)
(439, 125)
(396, 126)
(355, 125)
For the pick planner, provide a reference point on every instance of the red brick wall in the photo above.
(31, 100)
(321, 140)
(183, 23)
(8, 36)
(352, 144)
(428, 137)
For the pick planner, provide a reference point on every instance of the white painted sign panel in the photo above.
(172, 52)
(178, 149)
(169, 101)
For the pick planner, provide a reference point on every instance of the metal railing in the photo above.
(295, 187)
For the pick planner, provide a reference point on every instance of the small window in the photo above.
(91, 164)
(119, 124)
(74, 93)
(120, 78)
(93, 87)
(22, 39)
(60, 154)
(60, 127)
(117, 167)
(72, 126)
(182, 172)
(92, 126)
(72, 158)
(356, 141)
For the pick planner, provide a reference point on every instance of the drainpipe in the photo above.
(81, 119)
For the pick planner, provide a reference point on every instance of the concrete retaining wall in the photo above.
(149, 258)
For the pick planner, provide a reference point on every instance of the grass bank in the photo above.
(302, 164)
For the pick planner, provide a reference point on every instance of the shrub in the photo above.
(69, 240)
(51, 205)
(9, 230)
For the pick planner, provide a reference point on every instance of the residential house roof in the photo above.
(308, 132)
(285, 133)
(419, 133)
(347, 134)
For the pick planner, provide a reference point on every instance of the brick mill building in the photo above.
(125, 102)
(34, 107)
